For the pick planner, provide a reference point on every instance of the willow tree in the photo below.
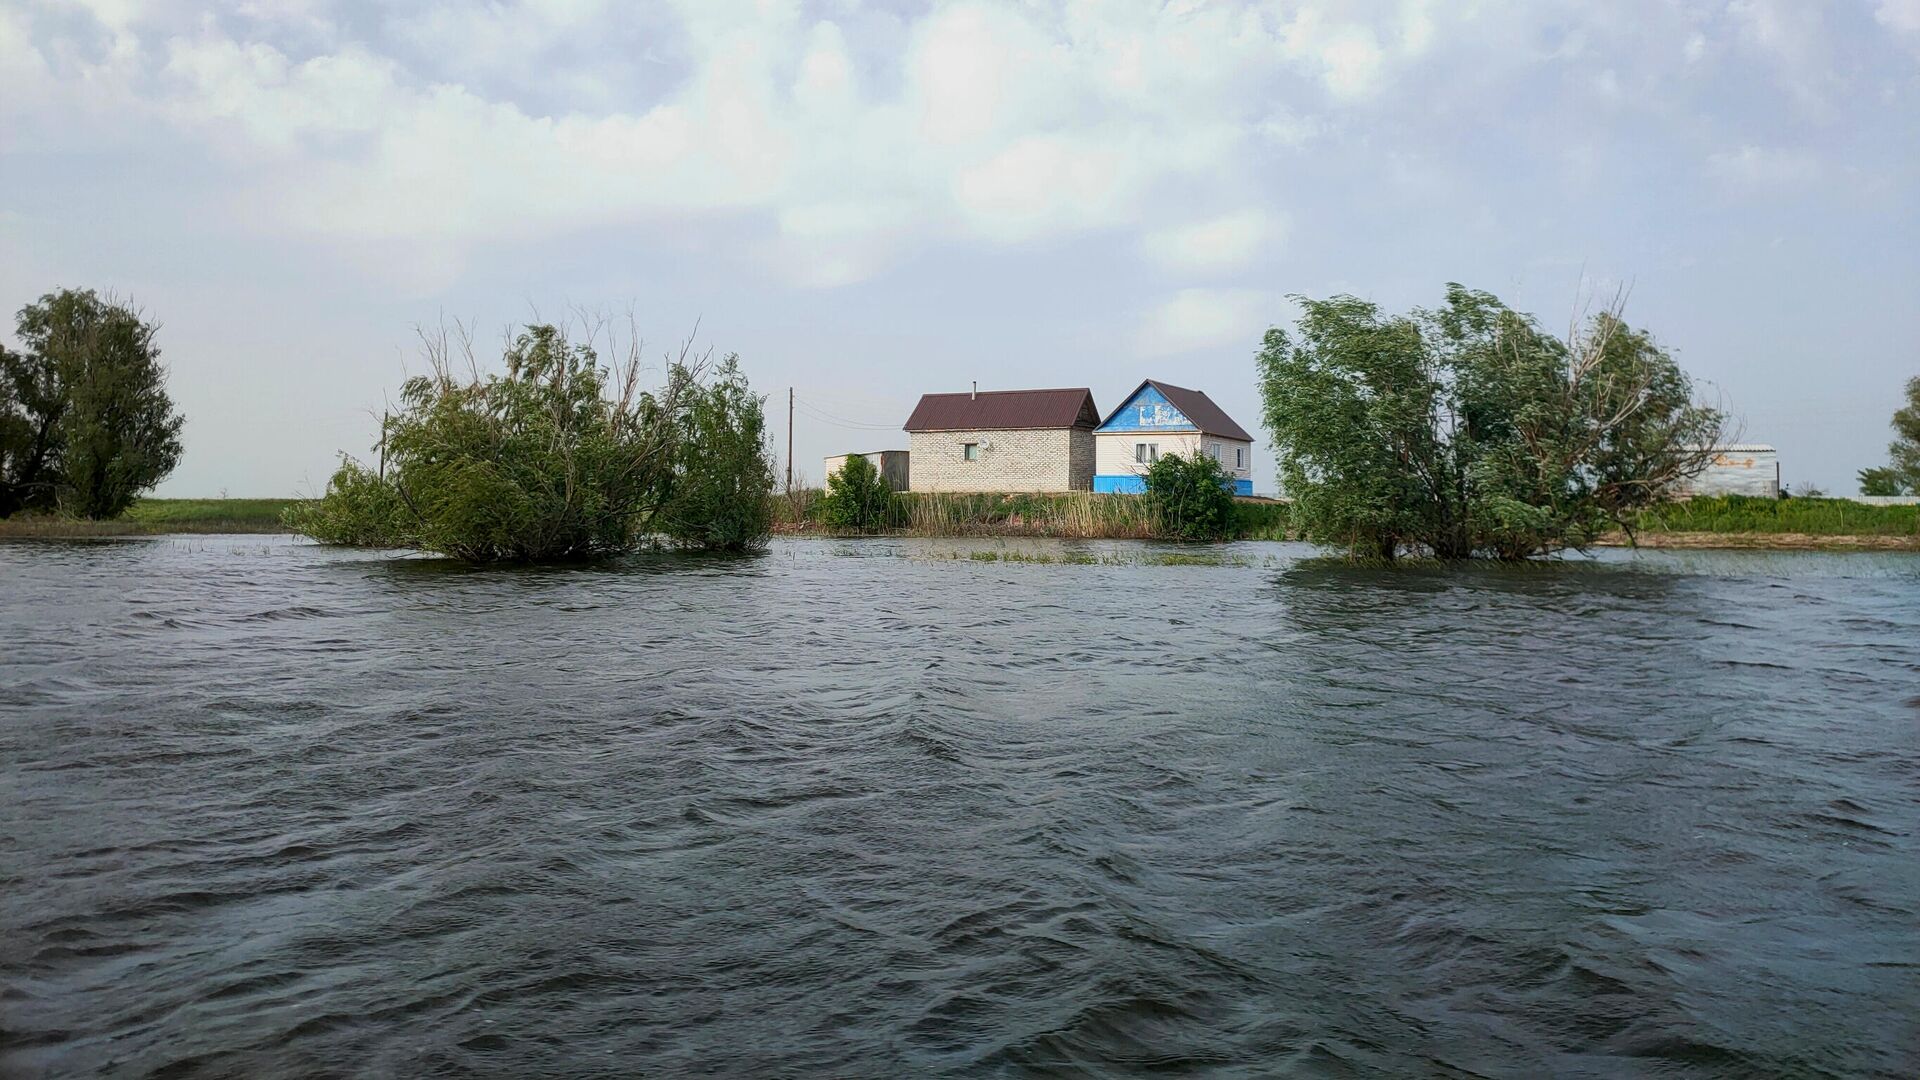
(1468, 430)
(1901, 474)
(558, 457)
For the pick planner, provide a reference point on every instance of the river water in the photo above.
(884, 808)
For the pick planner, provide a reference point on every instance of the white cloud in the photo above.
(1762, 168)
(1222, 243)
(1194, 319)
(1900, 15)
(443, 129)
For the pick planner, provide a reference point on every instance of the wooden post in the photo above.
(789, 440)
(384, 417)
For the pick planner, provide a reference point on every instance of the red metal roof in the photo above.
(995, 410)
(1196, 406)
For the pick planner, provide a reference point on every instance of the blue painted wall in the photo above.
(1137, 485)
(1148, 410)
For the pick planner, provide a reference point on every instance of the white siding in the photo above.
(1113, 452)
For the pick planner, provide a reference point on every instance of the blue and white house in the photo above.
(1159, 418)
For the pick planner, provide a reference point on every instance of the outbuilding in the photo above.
(892, 465)
(1003, 440)
(1160, 418)
(1739, 469)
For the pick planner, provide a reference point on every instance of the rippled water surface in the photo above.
(866, 809)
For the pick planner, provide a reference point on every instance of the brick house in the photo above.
(1003, 440)
(1160, 418)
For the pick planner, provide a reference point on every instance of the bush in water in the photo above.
(1190, 498)
(859, 498)
(559, 458)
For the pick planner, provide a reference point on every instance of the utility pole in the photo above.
(789, 440)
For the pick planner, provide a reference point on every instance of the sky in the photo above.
(871, 201)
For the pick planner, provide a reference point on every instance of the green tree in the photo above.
(1190, 498)
(1881, 481)
(1468, 430)
(1901, 474)
(86, 425)
(558, 458)
(722, 482)
(858, 498)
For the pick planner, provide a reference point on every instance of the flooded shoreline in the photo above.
(874, 807)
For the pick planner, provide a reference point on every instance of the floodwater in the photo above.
(868, 809)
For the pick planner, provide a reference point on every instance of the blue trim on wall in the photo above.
(1137, 485)
(1148, 410)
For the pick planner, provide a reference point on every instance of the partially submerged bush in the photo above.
(1190, 497)
(359, 510)
(1468, 430)
(559, 458)
(722, 485)
(858, 498)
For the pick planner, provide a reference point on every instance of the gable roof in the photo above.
(1003, 409)
(1198, 408)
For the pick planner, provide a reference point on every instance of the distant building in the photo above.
(890, 464)
(1004, 440)
(1159, 418)
(1740, 469)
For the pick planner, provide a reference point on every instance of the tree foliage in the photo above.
(722, 483)
(1901, 474)
(1467, 430)
(1190, 498)
(557, 458)
(86, 425)
(858, 498)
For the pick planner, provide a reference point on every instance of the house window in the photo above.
(1146, 453)
(971, 451)
(1213, 451)
(1239, 457)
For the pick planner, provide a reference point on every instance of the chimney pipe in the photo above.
(975, 396)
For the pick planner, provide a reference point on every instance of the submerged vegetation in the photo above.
(1189, 498)
(1067, 515)
(556, 458)
(1468, 430)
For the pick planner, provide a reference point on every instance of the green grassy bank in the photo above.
(1810, 517)
(150, 517)
(1067, 515)
(1720, 521)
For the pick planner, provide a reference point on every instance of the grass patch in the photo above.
(1075, 515)
(149, 517)
(1750, 514)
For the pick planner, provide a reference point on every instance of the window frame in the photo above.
(1146, 453)
(970, 451)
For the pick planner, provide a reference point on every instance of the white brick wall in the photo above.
(1113, 451)
(1030, 459)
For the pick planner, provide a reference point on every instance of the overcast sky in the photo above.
(871, 201)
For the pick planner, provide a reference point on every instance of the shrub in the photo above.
(723, 472)
(559, 458)
(858, 498)
(359, 509)
(1190, 498)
